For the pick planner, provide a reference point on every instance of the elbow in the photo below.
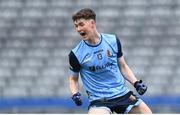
(73, 79)
(123, 66)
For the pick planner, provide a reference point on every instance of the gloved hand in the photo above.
(140, 87)
(77, 99)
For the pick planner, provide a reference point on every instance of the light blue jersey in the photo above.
(98, 67)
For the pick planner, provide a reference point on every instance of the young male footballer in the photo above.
(99, 60)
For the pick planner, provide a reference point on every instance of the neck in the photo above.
(94, 39)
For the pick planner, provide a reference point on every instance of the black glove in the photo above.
(77, 99)
(140, 87)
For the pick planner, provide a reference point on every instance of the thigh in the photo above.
(142, 108)
(99, 110)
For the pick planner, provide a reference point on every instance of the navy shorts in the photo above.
(121, 104)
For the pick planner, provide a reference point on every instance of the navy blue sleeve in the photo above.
(119, 54)
(74, 63)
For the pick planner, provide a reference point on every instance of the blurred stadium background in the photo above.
(37, 35)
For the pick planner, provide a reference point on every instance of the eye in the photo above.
(81, 24)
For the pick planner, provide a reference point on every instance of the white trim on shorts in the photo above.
(102, 107)
(128, 109)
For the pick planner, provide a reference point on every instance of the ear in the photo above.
(93, 23)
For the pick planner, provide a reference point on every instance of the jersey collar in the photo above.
(96, 44)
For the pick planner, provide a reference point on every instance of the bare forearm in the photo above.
(126, 71)
(73, 85)
(128, 74)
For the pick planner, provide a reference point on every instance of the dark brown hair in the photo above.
(85, 13)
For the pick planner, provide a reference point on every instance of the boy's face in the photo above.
(84, 27)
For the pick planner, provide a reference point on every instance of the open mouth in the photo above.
(82, 33)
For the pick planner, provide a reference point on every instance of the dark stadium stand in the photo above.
(37, 35)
